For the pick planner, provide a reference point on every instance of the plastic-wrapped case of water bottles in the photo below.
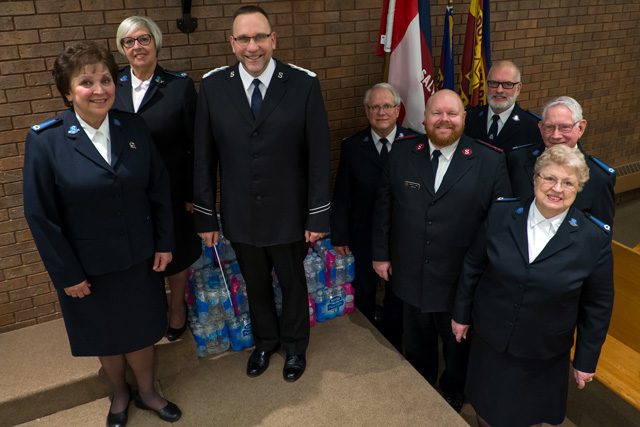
(217, 295)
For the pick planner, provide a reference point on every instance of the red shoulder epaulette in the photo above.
(407, 136)
(493, 147)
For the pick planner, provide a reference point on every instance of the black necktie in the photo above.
(256, 99)
(384, 151)
(435, 156)
(493, 129)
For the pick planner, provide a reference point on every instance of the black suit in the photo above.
(520, 128)
(357, 183)
(168, 108)
(274, 178)
(597, 197)
(425, 235)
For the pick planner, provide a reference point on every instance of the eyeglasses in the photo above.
(129, 42)
(563, 128)
(377, 108)
(505, 85)
(258, 38)
(551, 181)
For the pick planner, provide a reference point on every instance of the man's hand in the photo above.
(582, 378)
(188, 206)
(209, 238)
(459, 330)
(161, 260)
(312, 236)
(80, 290)
(383, 269)
(341, 250)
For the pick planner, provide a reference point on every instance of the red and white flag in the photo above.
(405, 33)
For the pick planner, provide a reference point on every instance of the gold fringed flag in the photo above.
(476, 58)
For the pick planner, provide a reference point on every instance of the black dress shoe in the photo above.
(294, 367)
(118, 419)
(170, 412)
(173, 334)
(259, 362)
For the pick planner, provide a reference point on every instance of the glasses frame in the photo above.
(552, 181)
(494, 84)
(385, 107)
(257, 39)
(136, 39)
(551, 131)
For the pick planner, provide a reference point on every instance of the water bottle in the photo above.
(351, 268)
(226, 303)
(200, 338)
(312, 309)
(341, 270)
(222, 330)
(349, 302)
(202, 305)
(320, 269)
(320, 298)
(235, 334)
(247, 333)
(330, 259)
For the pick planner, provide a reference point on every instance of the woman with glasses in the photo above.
(96, 197)
(166, 101)
(540, 270)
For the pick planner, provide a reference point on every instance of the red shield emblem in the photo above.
(466, 151)
(419, 147)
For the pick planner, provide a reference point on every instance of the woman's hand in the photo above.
(161, 260)
(382, 269)
(459, 330)
(80, 290)
(582, 378)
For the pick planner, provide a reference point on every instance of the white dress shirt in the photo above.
(443, 161)
(101, 138)
(139, 89)
(504, 116)
(265, 78)
(540, 230)
(376, 139)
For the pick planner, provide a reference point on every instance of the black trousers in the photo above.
(421, 332)
(365, 285)
(256, 263)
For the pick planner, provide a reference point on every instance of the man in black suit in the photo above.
(503, 123)
(265, 123)
(563, 123)
(362, 158)
(434, 197)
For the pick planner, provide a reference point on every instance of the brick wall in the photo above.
(588, 49)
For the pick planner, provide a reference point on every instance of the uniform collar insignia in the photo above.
(280, 74)
(573, 222)
(520, 210)
(400, 135)
(124, 78)
(73, 130)
(516, 118)
(366, 139)
(536, 152)
(158, 80)
(232, 73)
(481, 113)
(117, 122)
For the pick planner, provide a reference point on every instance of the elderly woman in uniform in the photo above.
(166, 101)
(96, 197)
(538, 271)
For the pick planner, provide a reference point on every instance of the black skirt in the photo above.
(512, 391)
(125, 312)
(187, 243)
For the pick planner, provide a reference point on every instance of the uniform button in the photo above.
(428, 242)
(426, 261)
(254, 134)
(516, 305)
(428, 222)
(258, 197)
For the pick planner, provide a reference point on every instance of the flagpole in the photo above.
(387, 39)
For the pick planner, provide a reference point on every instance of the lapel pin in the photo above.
(400, 135)
(232, 74)
(491, 137)
(419, 146)
(516, 118)
(158, 80)
(280, 75)
(124, 78)
(467, 152)
(573, 222)
(73, 130)
(519, 210)
(117, 122)
(536, 153)
(132, 145)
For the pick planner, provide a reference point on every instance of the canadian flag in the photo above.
(405, 32)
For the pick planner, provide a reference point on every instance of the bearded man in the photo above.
(434, 197)
(503, 123)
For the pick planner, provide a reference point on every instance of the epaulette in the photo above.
(507, 199)
(402, 136)
(311, 73)
(605, 167)
(519, 147)
(604, 227)
(493, 147)
(44, 125)
(215, 70)
(181, 75)
(535, 115)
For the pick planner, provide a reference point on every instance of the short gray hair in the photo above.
(132, 23)
(384, 86)
(567, 101)
(562, 155)
(505, 63)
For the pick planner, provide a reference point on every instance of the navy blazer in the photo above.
(425, 234)
(357, 182)
(531, 310)
(274, 169)
(597, 197)
(520, 128)
(88, 217)
(168, 107)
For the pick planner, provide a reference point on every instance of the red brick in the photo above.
(31, 291)
(22, 94)
(11, 162)
(83, 18)
(13, 305)
(56, 6)
(21, 66)
(17, 8)
(7, 319)
(17, 248)
(26, 314)
(13, 188)
(18, 37)
(9, 52)
(48, 298)
(41, 21)
(101, 4)
(62, 34)
(23, 270)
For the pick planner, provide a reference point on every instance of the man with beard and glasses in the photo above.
(434, 197)
(503, 123)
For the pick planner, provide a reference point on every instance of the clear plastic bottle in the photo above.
(341, 270)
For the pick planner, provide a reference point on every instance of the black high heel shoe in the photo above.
(170, 413)
(118, 419)
(173, 334)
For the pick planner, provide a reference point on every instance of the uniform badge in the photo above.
(412, 185)
(573, 222)
(158, 80)
(467, 152)
(73, 130)
(124, 78)
(117, 122)
(232, 74)
(132, 145)
(420, 146)
(280, 75)
(536, 153)
(519, 210)
(400, 135)
(516, 118)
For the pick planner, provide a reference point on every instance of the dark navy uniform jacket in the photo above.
(597, 197)
(88, 217)
(425, 234)
(520, 128)
(357, 182)
(274, 170)
(168, 108)
(531, 310)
